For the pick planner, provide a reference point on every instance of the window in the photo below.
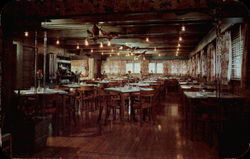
(237, 52)
(111, 66)
(159, 67)
(133, 67)
(155, 67)
(151, 67)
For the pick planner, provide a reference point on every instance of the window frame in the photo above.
(237, 52)
(156, 69)
(133, 67)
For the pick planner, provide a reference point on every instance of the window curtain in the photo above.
(115, 67)
(211, 62)
(223, 62)
(203, 63)
(198, 68)
(176, 67)
(218, 58)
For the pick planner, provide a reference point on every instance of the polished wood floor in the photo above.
(164, 139)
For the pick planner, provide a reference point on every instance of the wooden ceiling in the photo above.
(125, 23)
(130, 31)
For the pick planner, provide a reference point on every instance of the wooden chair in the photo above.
(101, 97)
(143, 102)
(88, 100)
(7, 144)
(206, 121)
(113, 104)
(72, 102)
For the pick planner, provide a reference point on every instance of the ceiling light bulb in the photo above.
(26, 33)
(100, 33)
(92, 50)
(183, 28)
(147, 39)
(118, 53)
(159, 54)
(86, 42)
(155, 49)
(110, 54)
(109, 43)
(112, 50)
(121, 47)
(179, 45)
(77, 47)
(180, 38)
(102, 53)
(101, 45)
(57, 42)
(178, 49)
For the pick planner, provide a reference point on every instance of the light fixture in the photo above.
(92, 50)
(102, 53)
(155, 49)
(26, 33)
(100, 32)
(118, 53)
(183, 28)
(57, 42)
(109, 43)
(112, 50)
(179, 45)
(180, 38)
(178, 49)
(77, 46)
(121, 47)
(86, 42)
(101, 45)
(110, 54)
(159, 54)
(147, 39)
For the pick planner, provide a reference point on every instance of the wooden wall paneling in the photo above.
(28, 66)
(246, 56)
(8, 82)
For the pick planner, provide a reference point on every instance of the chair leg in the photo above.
(107, 114)
(141, 116)
(100, 114)
(114, 113)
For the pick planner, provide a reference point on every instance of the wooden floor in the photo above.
(165, 139)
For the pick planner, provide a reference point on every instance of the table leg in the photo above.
(122, 106)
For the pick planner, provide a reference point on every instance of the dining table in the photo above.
(41, 91)
(227, 102)
(126, 92)
(41, 96)
(140, 84)
(78, 85)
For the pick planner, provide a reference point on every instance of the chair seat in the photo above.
(146, 105)
(49, 110)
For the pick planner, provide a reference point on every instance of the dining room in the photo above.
(123, 79)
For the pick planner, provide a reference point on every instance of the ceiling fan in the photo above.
(97, 33)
